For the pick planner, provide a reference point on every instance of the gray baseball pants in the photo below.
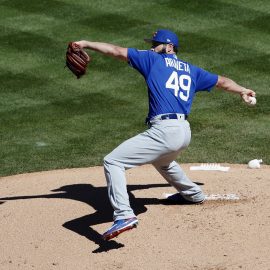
(159, 145)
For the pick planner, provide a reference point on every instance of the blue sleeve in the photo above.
(205, 80)
(141, 60)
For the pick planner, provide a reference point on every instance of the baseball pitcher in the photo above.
(172, 84)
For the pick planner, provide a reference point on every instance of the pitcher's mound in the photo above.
(54, 220)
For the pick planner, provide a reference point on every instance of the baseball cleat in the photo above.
(120, 226)
(178, 198)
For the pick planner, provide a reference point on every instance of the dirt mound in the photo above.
(54, 220)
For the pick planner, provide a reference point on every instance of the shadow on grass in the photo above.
(112, 22)
(217, 8)
(51, 8)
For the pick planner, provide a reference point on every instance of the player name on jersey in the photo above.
(179, 65)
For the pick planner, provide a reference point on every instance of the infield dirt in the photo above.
(54, 220)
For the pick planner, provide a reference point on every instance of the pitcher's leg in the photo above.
(117, 189)
(178, 179)
(136, 151)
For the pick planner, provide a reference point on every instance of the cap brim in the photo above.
(148, 40)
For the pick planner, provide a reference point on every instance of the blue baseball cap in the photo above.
(164, 36)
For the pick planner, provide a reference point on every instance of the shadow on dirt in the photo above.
(97, 198)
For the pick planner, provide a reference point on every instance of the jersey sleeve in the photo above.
(205, 80)
(141, 60)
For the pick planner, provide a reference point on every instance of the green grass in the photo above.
(51, 120)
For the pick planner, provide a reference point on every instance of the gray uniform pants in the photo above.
(159, 145)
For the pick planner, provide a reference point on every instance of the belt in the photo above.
(168, 116)
(178, 116)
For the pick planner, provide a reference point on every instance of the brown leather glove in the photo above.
(76, 59)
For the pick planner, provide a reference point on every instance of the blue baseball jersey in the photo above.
(172, 83)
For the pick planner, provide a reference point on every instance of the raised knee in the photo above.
(107, 160)
(110, 161)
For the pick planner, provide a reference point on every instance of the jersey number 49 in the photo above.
(180, 85)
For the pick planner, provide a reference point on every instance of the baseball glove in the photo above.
(76, 59)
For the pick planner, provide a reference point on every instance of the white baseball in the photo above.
(255, 163)
(252, 100)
